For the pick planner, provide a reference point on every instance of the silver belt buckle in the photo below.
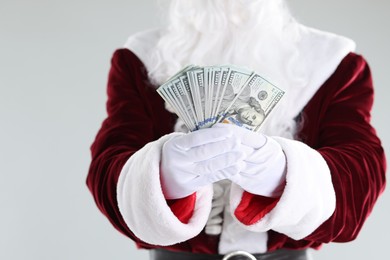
(239, 253)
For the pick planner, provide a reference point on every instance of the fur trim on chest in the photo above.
(319, 55)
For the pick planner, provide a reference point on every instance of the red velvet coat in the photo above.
(336, 123)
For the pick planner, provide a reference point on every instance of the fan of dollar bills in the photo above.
(203, 96)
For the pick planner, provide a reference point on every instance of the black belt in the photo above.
(282, 254)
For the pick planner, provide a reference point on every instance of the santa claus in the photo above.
(310, 176)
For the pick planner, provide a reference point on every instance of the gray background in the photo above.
(54, 60)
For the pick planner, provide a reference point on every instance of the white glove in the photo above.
(199, 158)
(264, 172)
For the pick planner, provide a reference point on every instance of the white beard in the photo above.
(258, 34)
(251, 34)
(209, 32)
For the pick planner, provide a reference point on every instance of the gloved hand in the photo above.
(199, 158)
(264, 172)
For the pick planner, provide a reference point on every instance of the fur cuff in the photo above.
(142, 203)
(308, 199)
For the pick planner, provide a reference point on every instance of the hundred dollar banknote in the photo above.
(203, 96)
(252, 105)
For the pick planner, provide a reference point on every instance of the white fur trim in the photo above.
(308, 199)
(142, 203)
(320, 54)
(236, 237)
(142, 42)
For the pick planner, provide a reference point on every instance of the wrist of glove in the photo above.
(194, 160)
(264, 165)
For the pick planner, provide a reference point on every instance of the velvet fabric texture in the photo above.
(336, 123)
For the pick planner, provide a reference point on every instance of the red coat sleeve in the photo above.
(135, 116)
(336, 123)
(350, 146)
